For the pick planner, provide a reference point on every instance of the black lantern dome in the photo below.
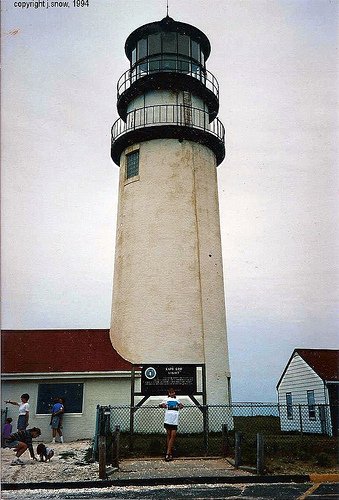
(168, 55)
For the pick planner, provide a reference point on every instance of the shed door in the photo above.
(333, 393)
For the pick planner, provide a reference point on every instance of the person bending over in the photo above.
(21, 441)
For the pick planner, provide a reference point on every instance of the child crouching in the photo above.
(44, 452)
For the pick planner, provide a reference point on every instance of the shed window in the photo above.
(132, 164)
(71, 393)
(311, 405)
(289, 405)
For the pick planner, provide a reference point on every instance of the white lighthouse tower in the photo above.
(168, 292)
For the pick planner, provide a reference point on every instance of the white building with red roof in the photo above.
(80, 366)
(308, 392)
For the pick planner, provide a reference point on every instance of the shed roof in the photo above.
(324, 362)
(44, 351)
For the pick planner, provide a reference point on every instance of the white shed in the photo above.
(308, 392)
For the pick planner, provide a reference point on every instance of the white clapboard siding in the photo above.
(297, 380)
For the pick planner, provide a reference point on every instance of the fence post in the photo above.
(224, 440)
(131, 427)
(116, 446)
(237, 455)
(205, 419)
(102, 457)
(260, 454)
(104, 428)
(97, 432)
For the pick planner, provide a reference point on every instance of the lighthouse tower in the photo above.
(168, 292)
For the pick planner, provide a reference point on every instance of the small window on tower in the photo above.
(132, 164)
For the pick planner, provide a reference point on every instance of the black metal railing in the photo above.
(165, 64)
(168, 114)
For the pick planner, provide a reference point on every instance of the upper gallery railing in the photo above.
(165, 64)
(168, 114)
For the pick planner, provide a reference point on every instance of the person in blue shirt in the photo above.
(56, 419)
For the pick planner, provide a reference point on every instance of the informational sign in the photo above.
(157, 379)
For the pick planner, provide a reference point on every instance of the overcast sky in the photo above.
(276, 63)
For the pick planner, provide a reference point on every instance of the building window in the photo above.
(132, 164)
(289, 405)
(72, 395)
(311, 405)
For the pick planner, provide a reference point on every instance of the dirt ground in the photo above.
(68, 464)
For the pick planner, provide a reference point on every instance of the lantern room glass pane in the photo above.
(142, 48)
(183, 66)
(183, 45)
(195, 51)
(154, 64)
(169, 42)
(154, 44)
(169, 63)
(134, 56)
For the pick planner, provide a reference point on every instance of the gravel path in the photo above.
(68, 465)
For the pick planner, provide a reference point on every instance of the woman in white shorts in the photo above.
(171, 420)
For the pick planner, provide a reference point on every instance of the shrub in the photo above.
(324, 460)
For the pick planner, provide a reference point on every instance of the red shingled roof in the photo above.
(325, 362)
(43, 351)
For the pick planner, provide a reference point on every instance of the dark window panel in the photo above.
(132, 168)
(154, 44)
(183, 45)
(169, 42)
(71, 393)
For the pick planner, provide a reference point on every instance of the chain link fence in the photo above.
(229, 431)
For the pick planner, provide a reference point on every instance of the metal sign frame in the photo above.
(134, 393)
(202, 407)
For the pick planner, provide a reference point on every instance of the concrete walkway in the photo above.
(178, 468)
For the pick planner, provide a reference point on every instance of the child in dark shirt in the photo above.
(20, 441)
